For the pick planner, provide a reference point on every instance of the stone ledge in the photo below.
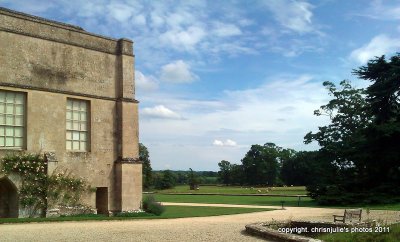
(259, 229)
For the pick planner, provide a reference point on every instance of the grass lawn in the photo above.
(256, 200)
(392, 236)
(245, 200)
(170, 212)
(238, 190)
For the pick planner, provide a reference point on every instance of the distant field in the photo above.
(239, 190)
(246, 200)
(257, 200)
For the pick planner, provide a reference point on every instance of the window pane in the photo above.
(75, 126)
(2, 119)
(83, 127)
(75, 145)
(69, 104)
(75, 105)
(75, 135)
(83, 116)
(75, 115)
(2, 130)
(69, 125)
(2, 96)
(18, 142)
(69, 145)
(10, 109)
(2, 108)
(83, 106)
(18, 132)
(83, 145)
(83, 136)
(9, 141)
(2, 144)
(69, 115)
(9, 120)
(10, 97)
(19, 120)
(19, 109)
(9, 131)
(19, 98)
(69, 135)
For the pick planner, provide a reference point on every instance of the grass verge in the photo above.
(170, 212)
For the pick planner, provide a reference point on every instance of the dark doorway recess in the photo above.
(102, 200)
(8, 199)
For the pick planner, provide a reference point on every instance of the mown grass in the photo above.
(241, 200)
(392, 236)
(300, 190)
(170, 212)
(264, 200)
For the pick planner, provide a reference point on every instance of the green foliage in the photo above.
(38, 190)
(300, 169)
(224, 173)
(261, 164)
(193, 180)
(362, 141)
(150, 205)
(165, 180)
(146, 166)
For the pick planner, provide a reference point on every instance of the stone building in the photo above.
(69, 93)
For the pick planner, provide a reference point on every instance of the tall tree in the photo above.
(261, 164)
(146, 166)
(224, 173)
(383, 133)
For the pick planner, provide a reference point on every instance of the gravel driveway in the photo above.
(216, 228)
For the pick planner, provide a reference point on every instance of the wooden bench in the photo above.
(348, 216)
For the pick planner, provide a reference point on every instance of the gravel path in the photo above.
(216, 228)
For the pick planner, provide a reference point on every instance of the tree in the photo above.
(224, 173)
(146, 166)
(193, 180)
(260, 164)
(363, 140)
(297, 170)
(165, 180)
(382, 146)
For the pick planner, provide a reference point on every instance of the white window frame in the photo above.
(77, 137)
(12, 120)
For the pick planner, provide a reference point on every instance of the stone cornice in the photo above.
(37, 27)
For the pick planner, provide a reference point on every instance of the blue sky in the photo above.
(215, 77)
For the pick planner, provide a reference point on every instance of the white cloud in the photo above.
(246, 116)
(121, 12)
(230, 142)
(383, 10)
(177, 72)
(379, 45)
(160, 111)
(226, 30)
(292, 14)
(146, 83)
(183, 39)
(227, 142)
(218, 143)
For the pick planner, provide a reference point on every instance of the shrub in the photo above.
(150, 205)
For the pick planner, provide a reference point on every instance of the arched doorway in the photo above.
(8, 199)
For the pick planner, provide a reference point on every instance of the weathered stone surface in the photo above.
(50, 62)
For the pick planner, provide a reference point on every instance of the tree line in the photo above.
(166, 179)
(359, 156)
